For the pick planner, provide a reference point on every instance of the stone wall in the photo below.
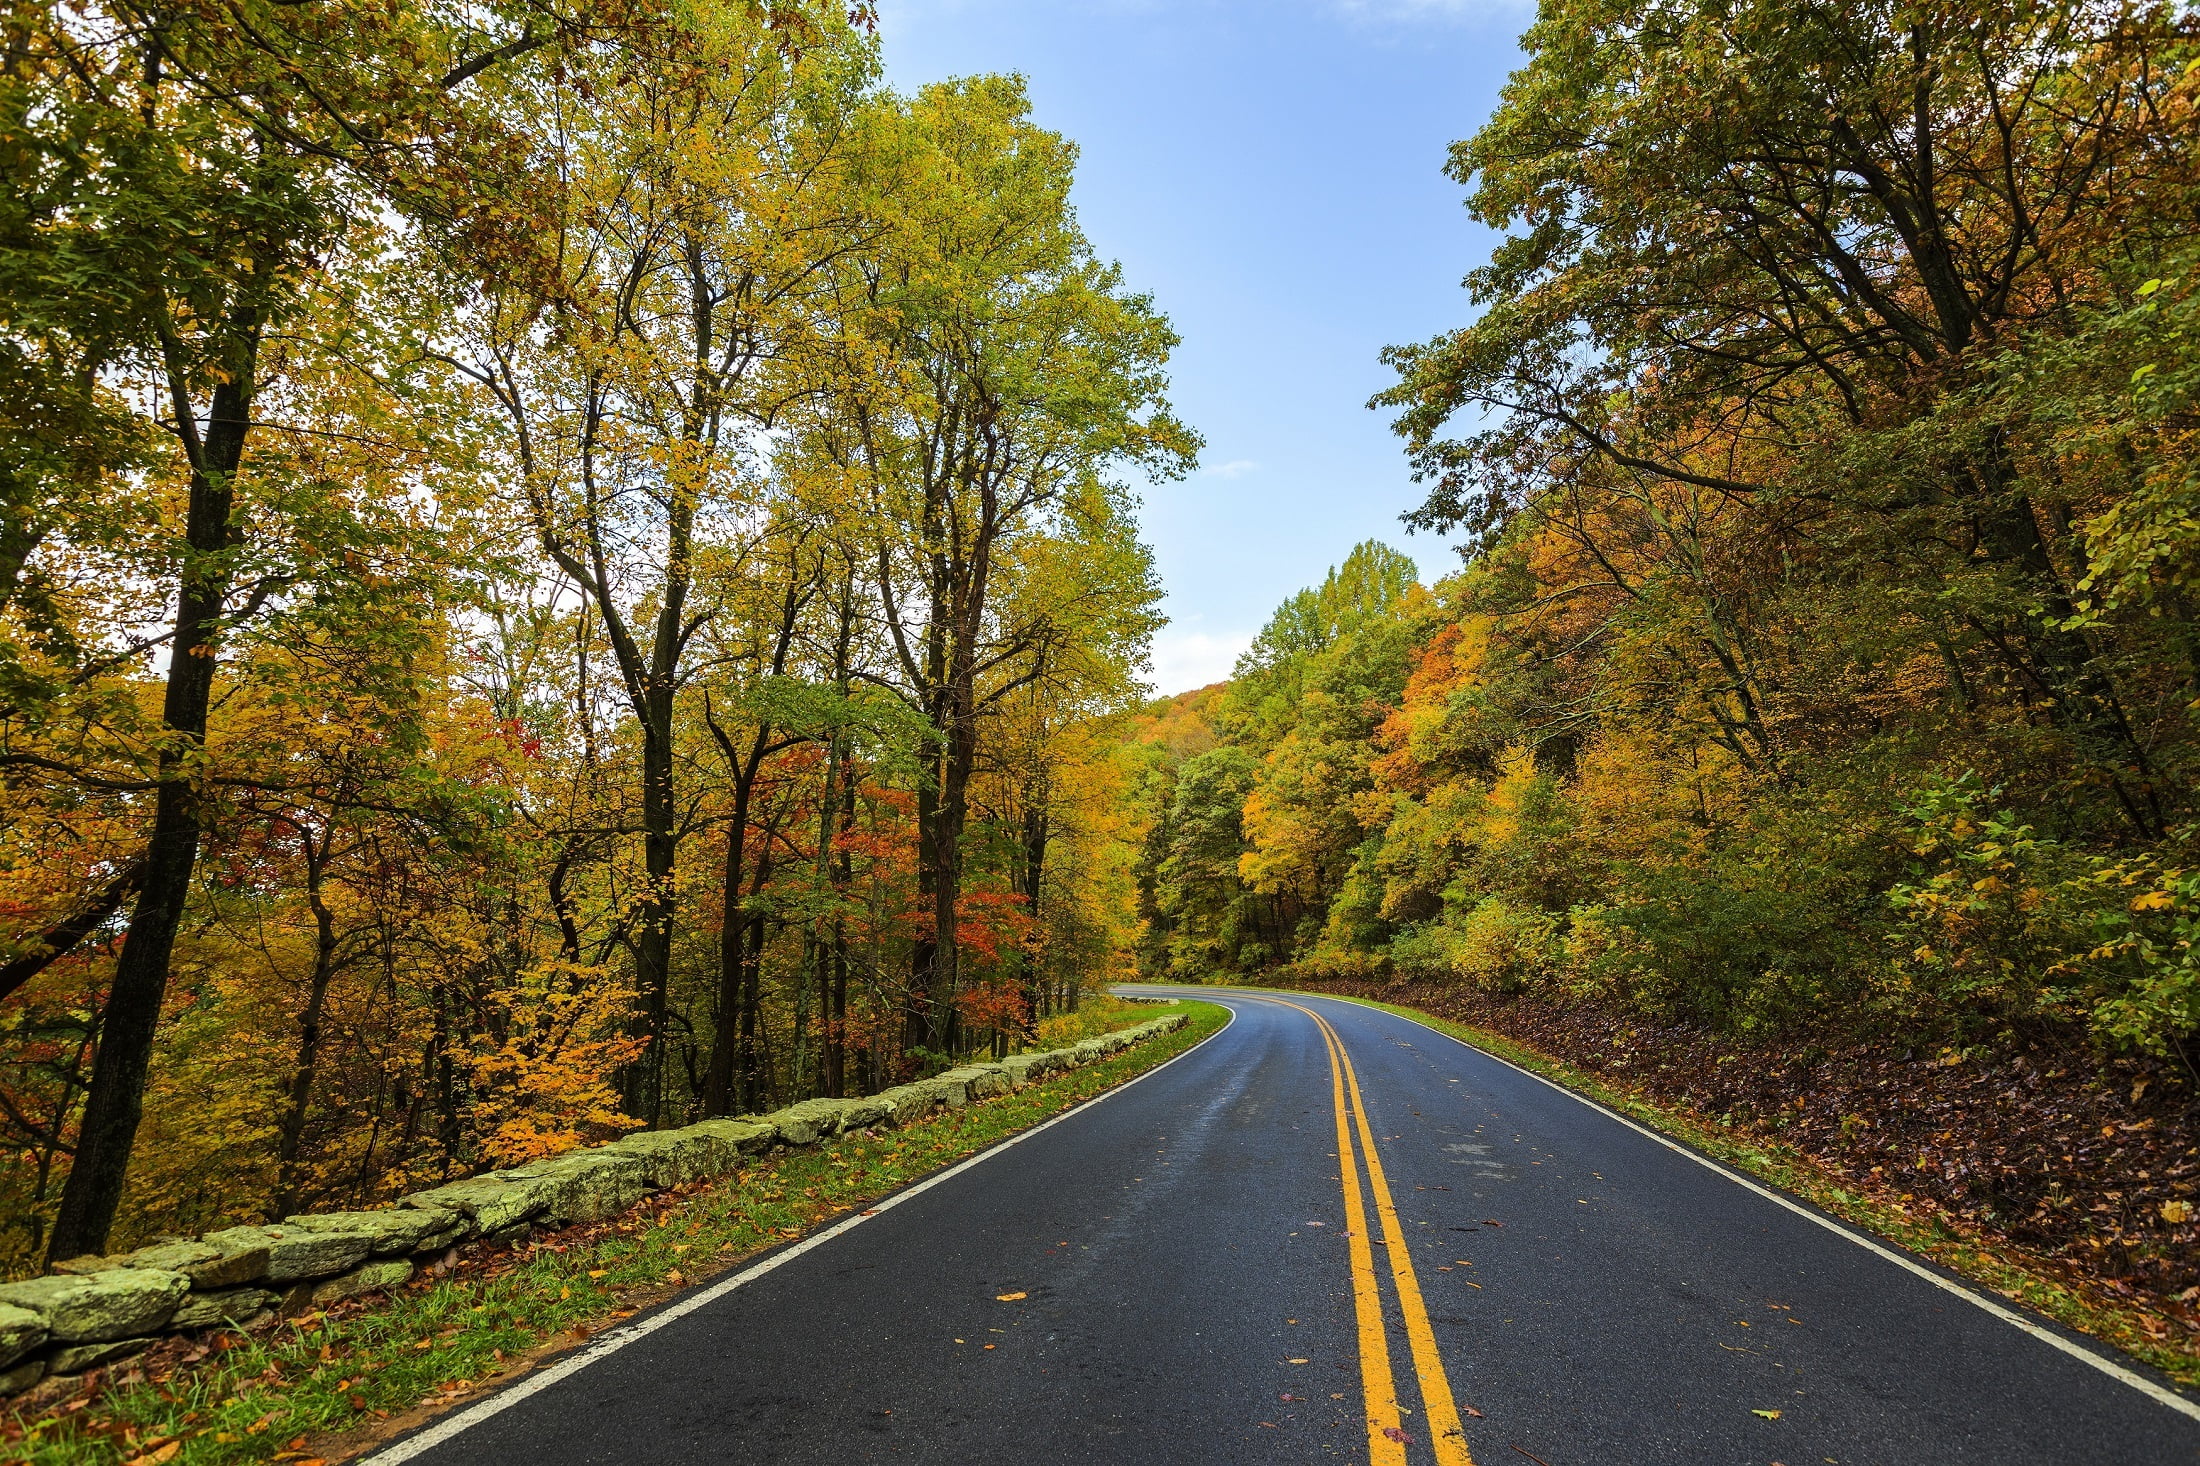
(94, 1310)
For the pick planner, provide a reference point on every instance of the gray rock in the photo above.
(587, 1185)
(173, 1257)
(747, 1136)
(984, 1080)
(108, 1305)
(492, 1202)
(809, 1121)
(241, 1255)
(863, 1113)
(389, 1272)
(974, 1081)
(299, 1253)
(229, 1308)
(906, 1103)
(77, 1358)
(946, 1090)
(20, 1378)
(20, 1332)
(85, 1266)
(680, 1157)
(396, 1230)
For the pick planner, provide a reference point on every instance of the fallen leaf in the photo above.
(1472, 1411)
(154, 1458)
(1290, 1397)
(1392, 1432)
(1009, 1297)
(1294, 1361)
(1766, 1414)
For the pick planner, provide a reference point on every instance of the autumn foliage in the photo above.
(1819, 676)
(559, 571)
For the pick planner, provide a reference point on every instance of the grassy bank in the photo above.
(1992, 1263)
(327, 1386)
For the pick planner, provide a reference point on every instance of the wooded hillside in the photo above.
(557, 572)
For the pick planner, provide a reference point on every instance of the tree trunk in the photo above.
(290, 1180)
(131, 1018)
(1036, 833)
(718, 1083)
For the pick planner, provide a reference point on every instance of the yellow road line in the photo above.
(1437, 1405)
(1439, 1409)
(1385, 1440)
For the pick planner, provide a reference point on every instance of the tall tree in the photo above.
(698, 217)
(1015, 369)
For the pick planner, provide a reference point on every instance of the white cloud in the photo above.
(1235, 468)
(1184, 660)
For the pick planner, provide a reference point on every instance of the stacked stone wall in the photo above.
(93, 1311)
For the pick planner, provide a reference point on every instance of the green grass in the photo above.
(281, 1394)
(1996, 1267)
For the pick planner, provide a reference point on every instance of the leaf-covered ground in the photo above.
(2045, 1173)
(328, 1385)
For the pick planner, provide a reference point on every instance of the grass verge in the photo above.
(327, 1386)
(1988, 1262)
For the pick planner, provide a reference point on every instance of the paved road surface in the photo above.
(1506, 1276)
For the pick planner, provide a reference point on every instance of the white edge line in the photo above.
(614, 1339)
(2109, 1367)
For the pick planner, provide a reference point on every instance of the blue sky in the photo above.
(1271, 171)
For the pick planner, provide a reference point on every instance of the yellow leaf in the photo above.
(1766, 1414)
(2152, 901)
(2176, 1211)
(1009, 1297)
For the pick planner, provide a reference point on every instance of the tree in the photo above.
(1017, 371)
(1744, 231)
(698, 217)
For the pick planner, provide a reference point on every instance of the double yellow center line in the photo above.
(1385, 1436)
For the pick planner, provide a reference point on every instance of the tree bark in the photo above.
(290, 1134)
(131, 1019)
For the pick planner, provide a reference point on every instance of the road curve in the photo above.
(1236, 1260)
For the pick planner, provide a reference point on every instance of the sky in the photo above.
(1271, 172)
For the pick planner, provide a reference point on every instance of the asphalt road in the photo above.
(1196, 1278)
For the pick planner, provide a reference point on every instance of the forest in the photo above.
(562, 568)
(1821, 669)
(573, 568)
